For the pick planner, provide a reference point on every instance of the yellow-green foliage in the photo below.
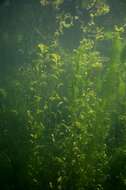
(68, 115)
(67, 112)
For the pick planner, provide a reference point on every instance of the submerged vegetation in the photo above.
(63, 110)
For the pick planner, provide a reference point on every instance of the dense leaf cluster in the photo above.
(63, 115)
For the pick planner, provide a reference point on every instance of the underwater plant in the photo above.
(63, 115)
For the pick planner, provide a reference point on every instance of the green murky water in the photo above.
(62, 95)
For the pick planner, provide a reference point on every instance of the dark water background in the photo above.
(23, 25)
